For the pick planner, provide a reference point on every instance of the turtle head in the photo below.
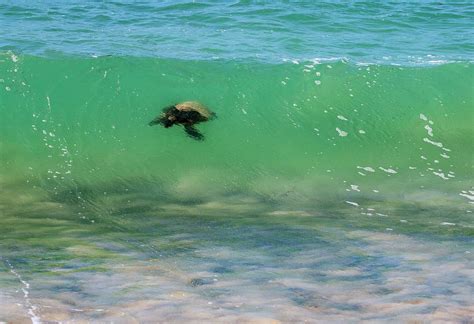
(168, 121)
(167, 118)
(163, 119)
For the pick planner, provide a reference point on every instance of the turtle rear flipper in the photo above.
(193, 133)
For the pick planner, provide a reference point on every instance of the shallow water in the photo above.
(201, 262)
(336, 183)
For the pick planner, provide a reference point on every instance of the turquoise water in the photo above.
(364, 31)
(336, 183)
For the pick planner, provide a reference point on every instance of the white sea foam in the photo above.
(441, 175)
(352, 203)
(466, 195)
(429, 130)
(388, 170)
(367, 168)
(341, 132)
(438, 144)
(35, 319)
(355, 188)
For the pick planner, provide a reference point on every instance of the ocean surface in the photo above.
(335, 185)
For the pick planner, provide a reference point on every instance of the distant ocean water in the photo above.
(414, 32)
(335, 184)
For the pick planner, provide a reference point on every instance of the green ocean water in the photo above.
(305, 160)
(303, 130)
(335, 184)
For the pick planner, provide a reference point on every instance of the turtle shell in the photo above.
(194, 106)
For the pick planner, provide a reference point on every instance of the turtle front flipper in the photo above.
(193, 133)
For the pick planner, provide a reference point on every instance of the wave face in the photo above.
(299, 132)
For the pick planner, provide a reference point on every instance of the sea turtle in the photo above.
(187, 114)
